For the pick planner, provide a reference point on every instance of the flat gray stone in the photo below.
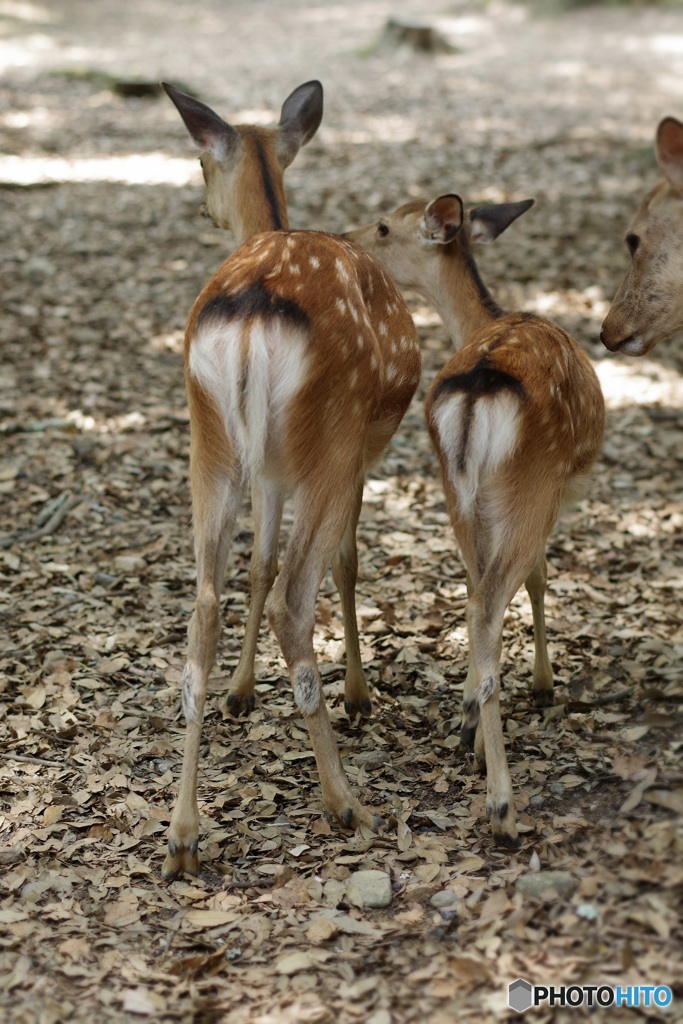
(444, 900)
(369, 889)
(543, 884)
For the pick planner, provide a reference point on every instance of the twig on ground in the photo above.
(68, 502)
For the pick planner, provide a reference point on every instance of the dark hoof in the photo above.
(378, 823)
(354, 707)
(181, 860)
(467, 735)
(543, 698)
(348, 818)
(237, 704)
(505, 840)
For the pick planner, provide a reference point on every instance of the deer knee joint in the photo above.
(486, 689)
(306, 690)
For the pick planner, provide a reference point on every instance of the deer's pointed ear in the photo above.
(669, 150)
(209, 131)
(300, 119)
(443, 218)
(490, 221)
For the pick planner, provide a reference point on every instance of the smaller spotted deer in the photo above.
(300, 360)
(516, 418)
(648, 306)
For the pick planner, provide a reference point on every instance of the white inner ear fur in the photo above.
(480, 231)
(431, 238)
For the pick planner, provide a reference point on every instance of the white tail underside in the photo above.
(491, 439)
(253, 394)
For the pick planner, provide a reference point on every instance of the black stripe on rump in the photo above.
(481, 381)
(254, 301)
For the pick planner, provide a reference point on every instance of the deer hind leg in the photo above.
(215, 510)
(267, 500)
(485, 613)
(542, 685)
(470, 706)
(320, 518)
(345, 573)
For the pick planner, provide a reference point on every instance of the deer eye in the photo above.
(382, 229)
(632, 242)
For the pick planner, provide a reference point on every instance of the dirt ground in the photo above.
(103, 255)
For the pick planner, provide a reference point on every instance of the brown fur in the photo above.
(549, 390)
(648, 305)
(356, 350)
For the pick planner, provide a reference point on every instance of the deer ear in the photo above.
(669, 150)
(443, 218)
(300, 119)
(209, 131)
(490, 221)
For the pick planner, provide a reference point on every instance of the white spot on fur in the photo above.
(306, 690)
(189, 695)
(341, 269)
(341, 306)
(295, 269)
(382, 328)
(314, 261)
(487, 689)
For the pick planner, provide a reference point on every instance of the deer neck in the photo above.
(461, 298)
(247, 196)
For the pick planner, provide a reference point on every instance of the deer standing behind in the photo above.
(648, 305)
(517, 419)
(300, 359)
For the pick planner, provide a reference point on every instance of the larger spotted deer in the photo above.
(648, 305)
(300, 358)
(516, 418)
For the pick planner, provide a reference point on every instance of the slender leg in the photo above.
(542, 685)
(267, 500)
(214, 515)
(345, 573)
(470, 708)
(485, 622)
(321, 516)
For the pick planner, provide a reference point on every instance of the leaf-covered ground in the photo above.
(103, 254)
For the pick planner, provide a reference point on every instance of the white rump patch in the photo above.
(251, 395)
(489, 441)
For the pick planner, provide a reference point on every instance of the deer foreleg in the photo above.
(345, 573)
(267, 500)
(542, 685)
(485, 622)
